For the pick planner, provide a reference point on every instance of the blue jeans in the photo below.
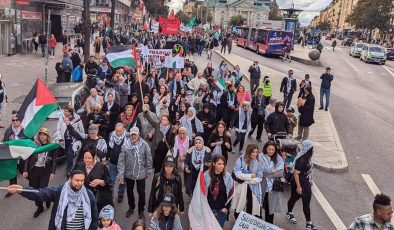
(113, 173)
(69, 152)
(325, 92)
(287, 97)
(220, 216)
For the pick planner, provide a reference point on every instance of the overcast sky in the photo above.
(310, 7)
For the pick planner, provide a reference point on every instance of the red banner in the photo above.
(169, 26)
(22, 2)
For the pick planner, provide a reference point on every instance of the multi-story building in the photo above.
(254, 11)
(100, 9)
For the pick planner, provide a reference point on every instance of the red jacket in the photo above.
(52, 42)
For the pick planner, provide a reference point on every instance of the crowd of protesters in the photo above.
(169, 124)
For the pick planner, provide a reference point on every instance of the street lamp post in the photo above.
(47, 46)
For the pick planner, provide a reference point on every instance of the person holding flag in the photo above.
(220, 188)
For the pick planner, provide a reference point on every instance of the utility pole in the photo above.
(86, 29)
(47, 46)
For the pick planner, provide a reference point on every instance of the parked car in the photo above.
(347, 41)
(373, 53)
(355, 49)
(390, 53)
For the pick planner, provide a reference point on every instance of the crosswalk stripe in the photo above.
(339, 225)
(389, 70)
(373, 187)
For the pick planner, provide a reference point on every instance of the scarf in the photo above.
(109, 105)
(127, 120)
(115, 139)
(16, 131)
(242, 119)
(306, 145)
(181, 147)
(198, 157)
(230, 100)
(135, 147)
(72, 200)
(94, 100)
(164, 130)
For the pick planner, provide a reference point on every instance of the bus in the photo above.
(265, 41)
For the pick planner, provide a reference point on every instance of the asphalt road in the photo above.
(362, 110)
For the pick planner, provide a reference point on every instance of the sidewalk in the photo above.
(328, 152)
(301, 54)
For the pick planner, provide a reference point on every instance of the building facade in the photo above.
(255, 12)
(20, 20)
(100, 9)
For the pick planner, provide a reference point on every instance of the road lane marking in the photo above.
(371, 184)
(339, 225)
(389, 70)
(373, 187)
(370, 72)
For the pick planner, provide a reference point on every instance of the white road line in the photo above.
(373, 187)
(370, 72)
(389, 70)
(339, 225)
(371, 184)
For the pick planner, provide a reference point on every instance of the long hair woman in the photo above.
(273, 169)
(220, 141)
(166, 216)
(248, 173)
(220, 188)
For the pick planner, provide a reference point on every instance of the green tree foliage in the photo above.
(275, 13)
(237, 20)
(157, 7)
(325, 25)
(182, 17)
(371, 14)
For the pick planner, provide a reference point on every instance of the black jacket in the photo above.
(225, 97)
(326, 80)
(50, 163)
(255, 73)
(283, 85)
(160, 186)
(90, 65)
(52, 194)
(277, 122)
(306, 111)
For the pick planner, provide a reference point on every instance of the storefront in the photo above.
(7, 38)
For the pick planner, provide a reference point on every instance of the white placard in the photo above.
(246, 221)
(168, 62)
(144, 51)
(180, 62)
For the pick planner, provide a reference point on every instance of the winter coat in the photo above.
(277, 122)
(306, 111)
(52, 194)
(132, 165)
(67, 64)
(145, 127)
(176, 224)
(50, 162)
(255, 73)
(61, 128)
(160, 185)
(283, 85)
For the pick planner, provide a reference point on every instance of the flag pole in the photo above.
(21, 190)
(138, 74)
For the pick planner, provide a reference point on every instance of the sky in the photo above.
(310, 8)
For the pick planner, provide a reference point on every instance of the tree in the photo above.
(371, 14)
(157, 7)
(237, 20)
(275, 13)
(182, 17)
(325, 25)
(86, 29)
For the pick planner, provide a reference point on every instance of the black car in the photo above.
(390, 53)
(347, 41)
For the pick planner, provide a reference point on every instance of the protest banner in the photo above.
(180, 62)
(246, 221)
(159, 52)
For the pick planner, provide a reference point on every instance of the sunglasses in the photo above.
(13, 120)
(182, 133)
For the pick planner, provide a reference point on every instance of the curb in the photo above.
(306, 61)
(342, 166)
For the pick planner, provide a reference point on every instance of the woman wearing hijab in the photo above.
(208, 121)
(220, 141)
(163, 138)
(181, 146)
(197, 156)
(192, 124)
(301, 184)
(273, 169)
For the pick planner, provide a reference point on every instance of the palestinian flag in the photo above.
(13, 150)
(120, 56)
(36, 107)
(220, 84)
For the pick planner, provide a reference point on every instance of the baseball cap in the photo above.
(134, 130)
(168, 199)
(44, 130)
(169, 160)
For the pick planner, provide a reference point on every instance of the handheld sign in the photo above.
(246, 221)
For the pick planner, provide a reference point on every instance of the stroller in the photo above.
(288, 150)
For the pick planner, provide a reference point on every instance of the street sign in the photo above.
(22, 2)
